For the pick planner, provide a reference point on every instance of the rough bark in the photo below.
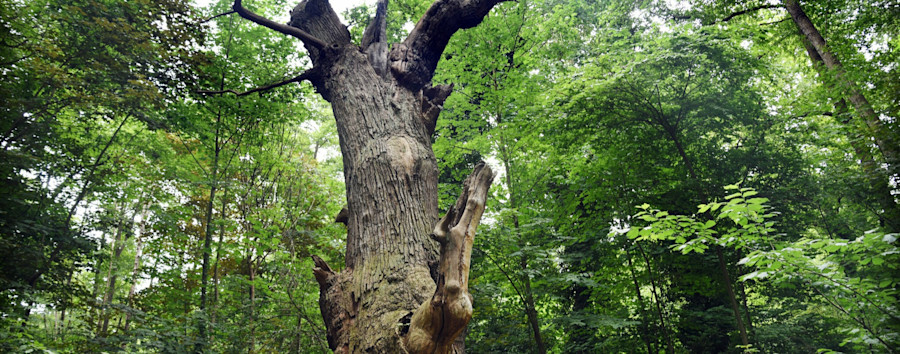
(385, 109)
(436, 323)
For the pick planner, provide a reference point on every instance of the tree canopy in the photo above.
(669, 176)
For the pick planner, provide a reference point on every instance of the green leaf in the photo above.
(757, 200)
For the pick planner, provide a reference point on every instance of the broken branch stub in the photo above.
(438, 321)
(337, 318)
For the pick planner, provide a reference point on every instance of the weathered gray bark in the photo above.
(386, 109)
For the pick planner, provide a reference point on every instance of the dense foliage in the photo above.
(675, 176)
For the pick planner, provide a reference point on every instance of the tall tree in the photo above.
(406, 281)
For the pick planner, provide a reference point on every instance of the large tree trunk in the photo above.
(401, 290)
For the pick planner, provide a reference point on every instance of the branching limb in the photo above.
(306, 75)
(413, 62)
(376, 31)
(307, 38)
(437, 322)
(374, 40)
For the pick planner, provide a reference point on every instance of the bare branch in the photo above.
(217, 16)
(775, 22)
(306, 75)
(278, 27)
(13, 61)
(746, 11)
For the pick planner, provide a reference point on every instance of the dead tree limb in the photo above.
(438, 321)
(217, 16)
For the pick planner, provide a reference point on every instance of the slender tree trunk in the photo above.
(85, 187)
(215, 306)
(530, 308)
(884, 138)
(637, 290)
(726, 279)
(722, 267)
(252, 317)
(747, 315)
(136, 268)
(204, 273)
(207, 237)
(890, 217)
(82, 193)
(670, 346)
(98, 278)
(62, 312)
(112, 275)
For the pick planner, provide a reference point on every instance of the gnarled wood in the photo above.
(317, 18)
(386, 112)
(374, 40)
(437, 322)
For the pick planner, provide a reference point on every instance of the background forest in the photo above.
(675, 176)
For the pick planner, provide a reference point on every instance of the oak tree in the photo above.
(405, 285)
